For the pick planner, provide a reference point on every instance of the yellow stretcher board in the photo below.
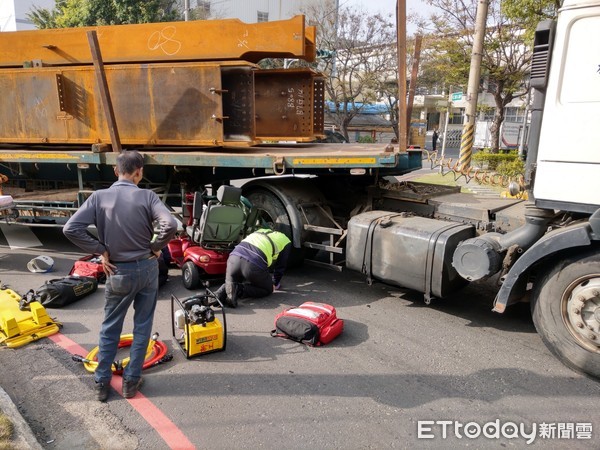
(17, 327)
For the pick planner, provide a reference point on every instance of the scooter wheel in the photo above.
(190, 275)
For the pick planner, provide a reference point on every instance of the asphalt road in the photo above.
(397, 362)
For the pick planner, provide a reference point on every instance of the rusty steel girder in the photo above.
(200, 40)
(228, 103)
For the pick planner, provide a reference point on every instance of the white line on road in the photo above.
(19, 236)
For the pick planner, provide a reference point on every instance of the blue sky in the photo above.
(389, 6)
(386, 5)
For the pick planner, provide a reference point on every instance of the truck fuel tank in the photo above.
(407, 251)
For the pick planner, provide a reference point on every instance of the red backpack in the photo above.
(89, 266)
(310, 323)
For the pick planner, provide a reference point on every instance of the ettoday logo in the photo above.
(431, 429)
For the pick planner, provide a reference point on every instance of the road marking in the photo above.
(19, 236)
(166, 429)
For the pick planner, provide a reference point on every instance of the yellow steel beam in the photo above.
(200, 40)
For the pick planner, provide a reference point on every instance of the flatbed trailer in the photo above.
(203, 115)
(48, 184)
(281, 158)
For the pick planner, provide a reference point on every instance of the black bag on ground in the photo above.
(297, 329)
(63, 291)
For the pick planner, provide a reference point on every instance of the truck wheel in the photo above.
(272, 210)
(566, 312)
(190, 275)
(274, 214)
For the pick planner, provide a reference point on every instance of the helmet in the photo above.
(40, 264)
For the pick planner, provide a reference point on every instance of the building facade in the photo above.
(251, 11)
(13, 13)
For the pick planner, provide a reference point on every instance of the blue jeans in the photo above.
(137, 283)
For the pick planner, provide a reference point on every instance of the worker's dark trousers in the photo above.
(255, 281)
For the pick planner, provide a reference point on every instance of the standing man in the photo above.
(434, 138)
(250, 263)
(124, 215)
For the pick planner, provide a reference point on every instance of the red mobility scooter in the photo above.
(215, 226)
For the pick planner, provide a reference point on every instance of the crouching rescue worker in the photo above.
(124, 215)
(250, 265)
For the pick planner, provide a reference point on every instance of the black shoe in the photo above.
(130, 388)
(221, 294)
(102, 390)
(237, 292)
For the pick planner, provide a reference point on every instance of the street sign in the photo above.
(457, 96)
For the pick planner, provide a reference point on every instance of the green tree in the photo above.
(506, 55)
(531, 12)
(81, 13)
(45, 18)
(363, 55)
(430, 78)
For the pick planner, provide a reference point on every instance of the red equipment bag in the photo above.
(310, 323)
(89, 266)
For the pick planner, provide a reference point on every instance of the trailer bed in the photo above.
(284, 158)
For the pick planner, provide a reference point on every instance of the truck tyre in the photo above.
(272, 210)
(566, 312)
(274, 214)
(190, 275)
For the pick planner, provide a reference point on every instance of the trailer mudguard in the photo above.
(291, 192)
(293, 214)
(578, 235)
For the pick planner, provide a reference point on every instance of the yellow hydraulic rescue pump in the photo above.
(21, 324)
(196, 328)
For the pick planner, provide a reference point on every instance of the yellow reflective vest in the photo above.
(270, 242)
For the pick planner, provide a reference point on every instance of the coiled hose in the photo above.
(156, 353)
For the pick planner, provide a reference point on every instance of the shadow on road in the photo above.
(473, 303)
(400, 390)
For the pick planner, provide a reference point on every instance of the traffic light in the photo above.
(325, 54)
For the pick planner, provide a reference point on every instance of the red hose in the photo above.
(159, 350)
(156, 353)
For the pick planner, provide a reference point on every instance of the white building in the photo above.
(251, 11)
(433, 109)
(13, 13)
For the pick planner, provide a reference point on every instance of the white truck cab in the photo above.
(568, 161)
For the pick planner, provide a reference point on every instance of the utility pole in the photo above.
(446, 122)
(186, 10)
(468, 133)
(401, 44)
(335, 43)
(413, 80)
